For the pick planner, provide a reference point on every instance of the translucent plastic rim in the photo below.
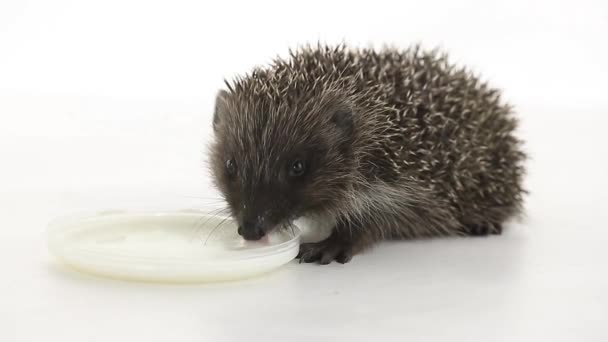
(60, 229)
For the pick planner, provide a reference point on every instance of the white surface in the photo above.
(108, 104)
(166, 246)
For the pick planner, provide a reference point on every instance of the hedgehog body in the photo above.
(394, 144)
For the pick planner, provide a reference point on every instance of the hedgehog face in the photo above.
(276, 162)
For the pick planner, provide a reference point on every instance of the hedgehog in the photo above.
(380, 144)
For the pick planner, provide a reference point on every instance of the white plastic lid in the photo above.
(166, 246)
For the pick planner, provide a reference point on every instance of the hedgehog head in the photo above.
(279, 157)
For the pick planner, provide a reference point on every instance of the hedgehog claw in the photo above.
(326, 251)
(484, 229)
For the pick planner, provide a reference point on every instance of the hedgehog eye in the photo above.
(297, 168)
(231, 167)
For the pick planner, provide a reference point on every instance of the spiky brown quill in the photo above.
(384, 144)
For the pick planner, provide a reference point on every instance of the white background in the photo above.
(108, 103)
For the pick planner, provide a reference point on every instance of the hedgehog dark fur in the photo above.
(384, 144)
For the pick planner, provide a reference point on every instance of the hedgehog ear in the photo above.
(220, 108)
(343, 119)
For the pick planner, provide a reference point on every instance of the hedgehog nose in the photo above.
(250, 230)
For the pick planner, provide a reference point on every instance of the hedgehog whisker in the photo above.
(214, 229)
(289, 225)
(200, 223)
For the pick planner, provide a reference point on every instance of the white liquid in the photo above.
(172, 247)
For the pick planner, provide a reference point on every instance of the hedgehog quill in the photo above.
(383, 144)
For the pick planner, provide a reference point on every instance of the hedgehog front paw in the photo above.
(484, 229)
(326, 251)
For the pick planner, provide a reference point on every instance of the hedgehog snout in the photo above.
(252, 229)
